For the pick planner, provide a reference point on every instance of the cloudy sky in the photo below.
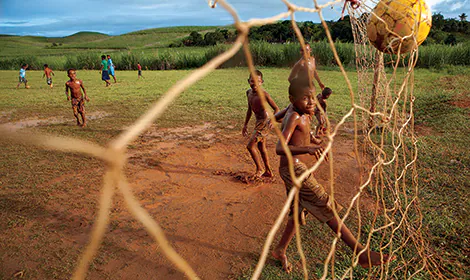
(56, 18)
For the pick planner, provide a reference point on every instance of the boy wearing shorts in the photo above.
(48, 73)
(312, 196)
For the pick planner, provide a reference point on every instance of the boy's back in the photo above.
(48, 71)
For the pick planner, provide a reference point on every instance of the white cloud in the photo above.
(457, 6)
(432, 3)
(27, 23)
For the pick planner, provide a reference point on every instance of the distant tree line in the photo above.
(443, 31)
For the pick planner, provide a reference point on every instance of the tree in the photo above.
(195, 39)
(450, 40)
(212, 38)
(463, 17)
(342, 31)
(438, 21)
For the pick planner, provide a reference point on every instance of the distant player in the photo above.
(111, 68)
(48, 73)
(104, 70)
(139, 69)
(78, 99)
(257, 143)
(22, 77)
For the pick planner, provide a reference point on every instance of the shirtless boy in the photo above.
(312, 196)
(257, 142)
(301, 71)
(48, 73)
(78, 100)
(305, 67)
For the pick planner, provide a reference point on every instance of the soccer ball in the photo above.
(399, 26)
(27, 86)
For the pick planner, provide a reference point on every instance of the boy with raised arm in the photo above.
(78, 102)
(312, 196)
(257, 142)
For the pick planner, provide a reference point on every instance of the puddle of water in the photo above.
(12, 126)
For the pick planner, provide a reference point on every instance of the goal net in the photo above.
(381, 111)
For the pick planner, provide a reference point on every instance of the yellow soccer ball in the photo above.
(399, 26)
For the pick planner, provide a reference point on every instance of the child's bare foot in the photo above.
(79, 124)
(258, 174)
(268, 173)
(83, 125)
(374, 259)
(286, 265)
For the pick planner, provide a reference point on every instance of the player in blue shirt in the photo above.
(111, 68)
(22, 77)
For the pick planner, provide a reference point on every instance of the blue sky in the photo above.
(56, 18)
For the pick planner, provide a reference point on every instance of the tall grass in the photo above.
(264, 54)
(437, 56)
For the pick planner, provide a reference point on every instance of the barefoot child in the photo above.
(78, 103)
(301, 71)
(257, 140)
(22, 77)
(48, 73)
(322, 97)
(312, 196)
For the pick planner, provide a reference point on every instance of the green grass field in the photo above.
(442, 118)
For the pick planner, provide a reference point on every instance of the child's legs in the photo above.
(264, 154)
(113, 75)
(75, 113)
(286, 238)
(346, 235)
(368, 258)
(254, 153)
(81, 110)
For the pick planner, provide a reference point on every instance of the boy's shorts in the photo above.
(260, 131)
(312, 196)
(78, 105)
(22, 80)
(49, 81)
(140, 72)
(111, 71)
(104, 75)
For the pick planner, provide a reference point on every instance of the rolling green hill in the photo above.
(19, 46)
